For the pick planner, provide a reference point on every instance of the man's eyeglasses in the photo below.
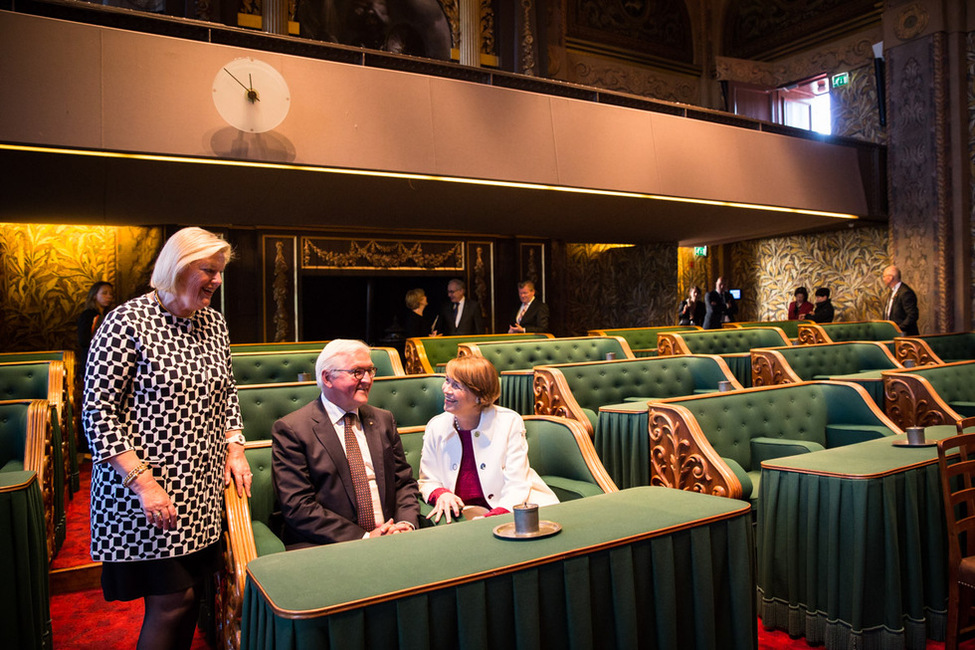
(358, 373)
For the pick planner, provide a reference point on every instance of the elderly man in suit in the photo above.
(901, 303)
(339, 467)
(720, 307)
(532, 314)
(461, 316)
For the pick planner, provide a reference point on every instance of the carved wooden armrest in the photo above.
(911, 401)
(769, 368)
(916, 350)
(670, 344)
(416, 358)
(553, 397)
(681, 456)
(239, 549)
(812, 334)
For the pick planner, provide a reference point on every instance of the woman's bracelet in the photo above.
(135, 473)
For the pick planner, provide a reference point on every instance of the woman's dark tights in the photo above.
(170, 621)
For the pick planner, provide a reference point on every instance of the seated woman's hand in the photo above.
(447, 502)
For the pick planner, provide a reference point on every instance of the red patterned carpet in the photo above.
(84, 621)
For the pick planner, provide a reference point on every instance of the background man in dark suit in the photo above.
(339, 477)
(721, 307)
(461, 316)
(902, 302)
(532, 315)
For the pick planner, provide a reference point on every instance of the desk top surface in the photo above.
(864, 460)
(329, 579)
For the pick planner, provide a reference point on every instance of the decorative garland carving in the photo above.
(527, 40)
(677, 462)
(487, 27)
(452, 12)
(327, 253)
(413, 364)
(666, 345)
(909, 408)
(548, 398)
(481, 283)
(635, 80)
(280, 293)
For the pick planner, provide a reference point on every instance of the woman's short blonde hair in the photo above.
(183, 248)
(413, 297)
(478, 375)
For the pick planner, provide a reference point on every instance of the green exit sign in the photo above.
(701, 251)
(841, 79)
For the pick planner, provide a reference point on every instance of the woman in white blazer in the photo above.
(475, 453)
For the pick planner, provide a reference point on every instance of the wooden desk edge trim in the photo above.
(473, 577)
(19, 486)
(903, 468)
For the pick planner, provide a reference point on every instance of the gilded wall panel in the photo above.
(692, 271)
(46, 271)
(849, 262)
(614, 286)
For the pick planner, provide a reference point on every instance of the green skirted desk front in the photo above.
(622, 442)
(648, 567)
(852, 550)
(25, 601)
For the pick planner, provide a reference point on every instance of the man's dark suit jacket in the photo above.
(535, 319)
(718, 306)
(904, 310)
(313, 482)
(471, 321)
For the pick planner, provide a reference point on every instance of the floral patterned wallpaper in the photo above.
(46, 271)
(620, 286)
(848, 262)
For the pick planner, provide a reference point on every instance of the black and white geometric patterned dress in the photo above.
(163, 386)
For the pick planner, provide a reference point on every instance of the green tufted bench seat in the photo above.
(284, 346)
(428, 354)
(643, 340)
(274, 367)
(883, 331)
(413, 400)
(790, 327)
(935, 349)
(930, 395)
(734, 345)
(858, 361)
(516, 360)
(715, 444)
(577, 390)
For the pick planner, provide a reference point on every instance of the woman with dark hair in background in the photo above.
(97, 304)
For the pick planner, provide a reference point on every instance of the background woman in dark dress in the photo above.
(692, 309)
(418, 322)
(97, 304)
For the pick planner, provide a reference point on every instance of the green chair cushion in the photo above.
(567, 489)
(768, 448)
(265, 541)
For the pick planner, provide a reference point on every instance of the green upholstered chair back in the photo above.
(811, 361)
(953, 382)
(790, 327)
(27, 380)
(599, 383)
(733, 340)
(441, 349)
(554, 452)
(525, 355)
(861, 331)
(266, 522)
(262, 404)
(13, 435)
(731, 420)
(279, 367)
(642, 339)
(952, 347)
(412, 440)
(413, 399)
(290, 346)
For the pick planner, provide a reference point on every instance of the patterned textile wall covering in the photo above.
(855, 110)
(46, 271)
(849, 262)
(612, 286)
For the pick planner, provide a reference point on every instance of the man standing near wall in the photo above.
(532, 314)
(721, 307)
(901, 303)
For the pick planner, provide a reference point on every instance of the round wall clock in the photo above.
(251, 95)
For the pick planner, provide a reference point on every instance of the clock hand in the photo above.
(251, 93)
